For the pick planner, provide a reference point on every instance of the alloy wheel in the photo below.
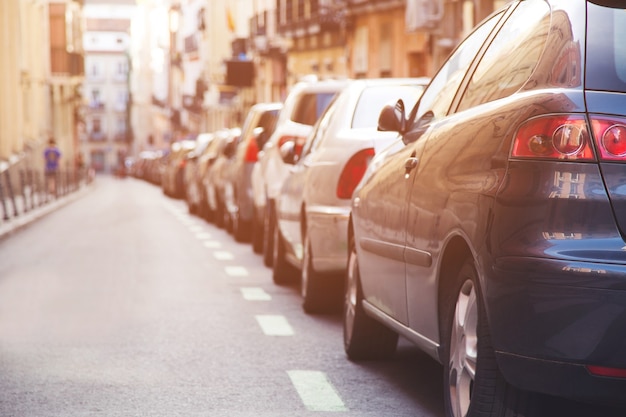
(463, 349)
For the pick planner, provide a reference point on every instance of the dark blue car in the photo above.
(493, 235)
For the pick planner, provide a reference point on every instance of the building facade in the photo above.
(108, 136)
(41, 80)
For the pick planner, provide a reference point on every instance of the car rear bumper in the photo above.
(328, 228)
(550, 319)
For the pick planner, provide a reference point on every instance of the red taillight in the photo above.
(183, 162)
(610, 134)
(252, 151)
(297, 140)
(608, 372)
(562, 137)
(284, 139)
(353, 172)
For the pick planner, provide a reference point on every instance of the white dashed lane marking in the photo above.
(203, 236)
(236, 271)
(274, 325)
(255, 294)
(212, 244)
(223, 256)
(316, 391)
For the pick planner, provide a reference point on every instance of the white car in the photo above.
(313, 206)
(303, 106)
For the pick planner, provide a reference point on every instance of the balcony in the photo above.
(97, 136)
(64, 63)
(121, 136)
(320, 19)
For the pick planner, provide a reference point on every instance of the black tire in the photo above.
(283, 272)
(257, 233)
(484, 393)
(321, 292)
(218, 215)
(268, 234)
(241, 229)
(363, 337)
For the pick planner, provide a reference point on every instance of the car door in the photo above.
(450, 193)
(290, 200)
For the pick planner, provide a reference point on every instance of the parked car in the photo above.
(213, 179)
(192, 173)
(304, 104)
(173, 177)
(257, 128)
(313, 207)
(492, 235)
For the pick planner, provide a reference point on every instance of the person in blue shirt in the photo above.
(52, 156)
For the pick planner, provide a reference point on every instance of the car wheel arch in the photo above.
(453, 255)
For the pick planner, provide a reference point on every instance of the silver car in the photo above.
(313, 206)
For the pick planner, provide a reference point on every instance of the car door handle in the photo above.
(410, 165)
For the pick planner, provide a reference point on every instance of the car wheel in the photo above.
(268, 234)
(241, 229)
(363, 337)
(283, 273)
(257, 233)
(473, 384)
(218, 215)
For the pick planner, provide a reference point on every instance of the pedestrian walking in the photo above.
(52, 155)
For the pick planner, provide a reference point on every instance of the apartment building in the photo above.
(41, 77)
(107, 138)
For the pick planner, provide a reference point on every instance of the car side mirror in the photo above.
(288, 152)
(258, 135)
(392, 118)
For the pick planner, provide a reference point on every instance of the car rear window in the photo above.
(310, 107)
(606, 48)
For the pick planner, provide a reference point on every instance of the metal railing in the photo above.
(24, 190)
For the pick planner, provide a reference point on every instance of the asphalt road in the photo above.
(120, 303)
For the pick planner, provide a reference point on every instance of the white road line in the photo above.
(212, 244)
(203, 236)
(223, 256)
(236, 271)
(255, 294)
(316, 391)
(195, 228)
(274, 325)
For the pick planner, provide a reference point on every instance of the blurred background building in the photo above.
(111, 78)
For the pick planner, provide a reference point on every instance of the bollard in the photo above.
(5, 212)
(26, 193)
(33, 187)
(11, 194)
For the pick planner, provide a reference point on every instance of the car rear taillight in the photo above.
(297, 140)
(353, 171)
(561, 137)
(252, 151)
(608, 372)
(610, 134)
(284, 139)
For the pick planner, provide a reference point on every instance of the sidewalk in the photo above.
(17, 215)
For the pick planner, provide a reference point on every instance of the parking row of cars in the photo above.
(479, 215)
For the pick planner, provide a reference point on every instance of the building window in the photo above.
(385, 51)
(361, 50)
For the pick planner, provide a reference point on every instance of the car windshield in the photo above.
(606, 49)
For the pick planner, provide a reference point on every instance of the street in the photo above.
(122, 304)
